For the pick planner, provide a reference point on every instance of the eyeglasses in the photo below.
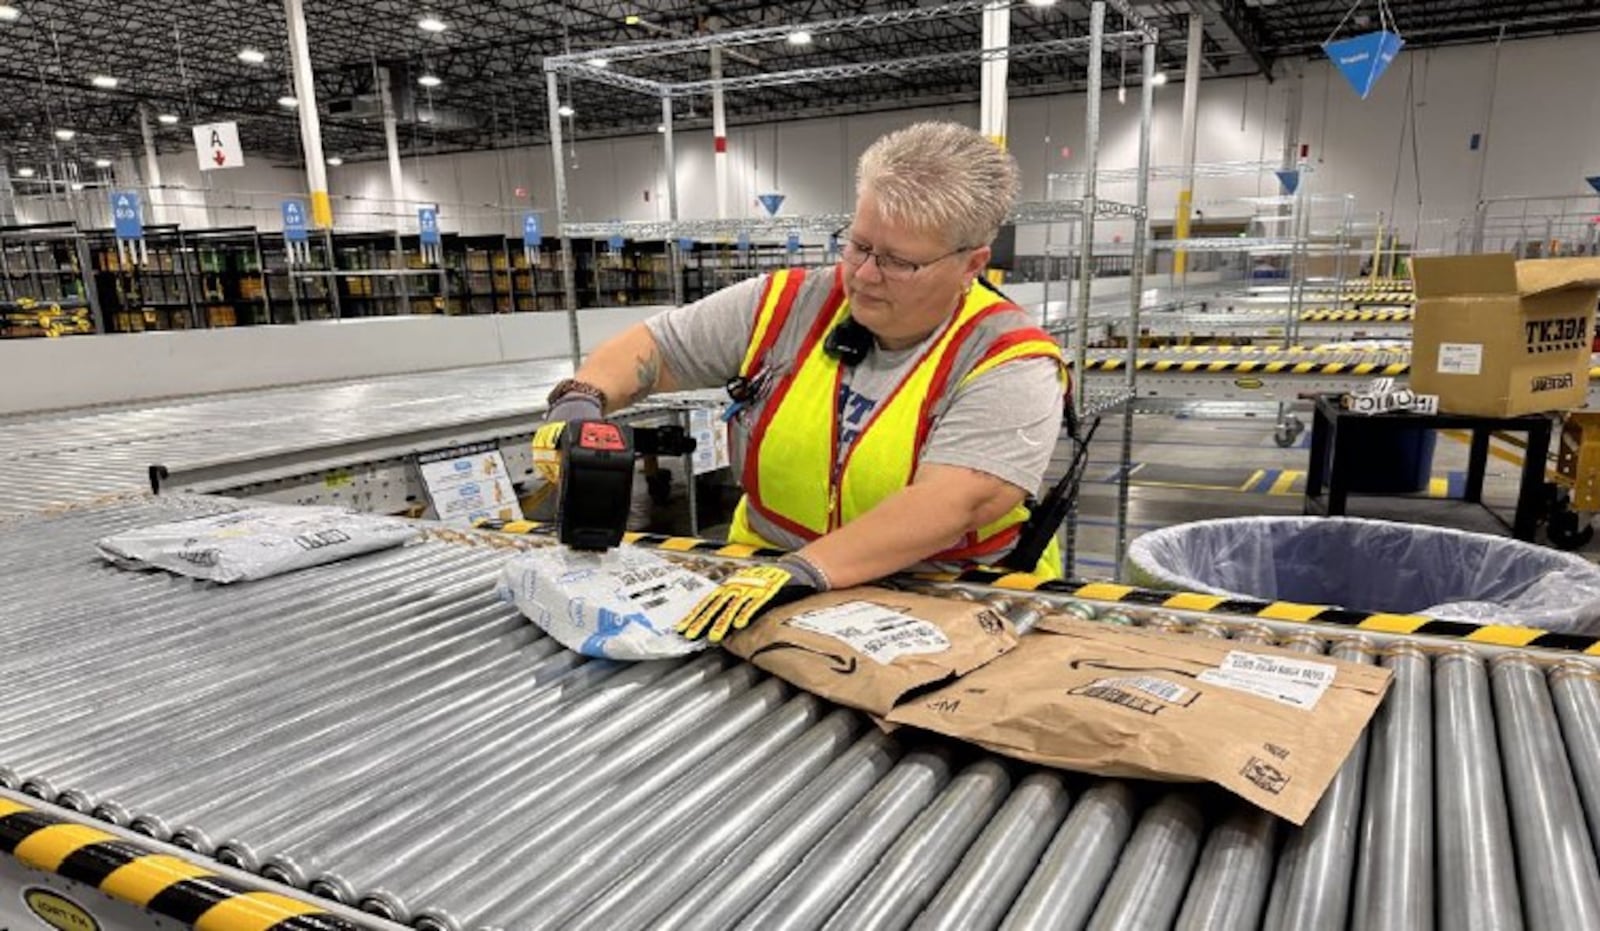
(892, 267)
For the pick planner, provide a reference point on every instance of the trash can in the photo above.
(1374, 566)
(1392, 462)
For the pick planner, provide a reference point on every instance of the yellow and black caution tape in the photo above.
(1396, 315)
(1252, 365)
(168, 886)
(1494, 634)
(1503, 635)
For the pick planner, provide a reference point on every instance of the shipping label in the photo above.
(1148, 694)
(1295, 682)
(1460, 358)
(878, 633)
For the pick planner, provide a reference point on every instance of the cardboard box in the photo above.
(1497, 337)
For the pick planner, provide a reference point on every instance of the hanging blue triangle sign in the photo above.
(1363, 59)
(1290, 180)
(1594, 182)
(771, 202)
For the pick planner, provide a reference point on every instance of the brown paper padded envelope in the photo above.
(1126, 702)
(868, 648)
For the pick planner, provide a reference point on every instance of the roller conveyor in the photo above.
(1174, 376)
(385, 730)
(51, 459)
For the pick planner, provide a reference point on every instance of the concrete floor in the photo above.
(1189, 469)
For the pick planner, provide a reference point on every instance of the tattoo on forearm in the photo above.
(648, 370)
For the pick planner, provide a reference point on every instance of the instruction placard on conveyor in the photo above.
(466, 484)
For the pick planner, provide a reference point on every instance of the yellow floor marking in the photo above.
(1284, 481)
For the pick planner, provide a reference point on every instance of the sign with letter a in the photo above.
(217, 146)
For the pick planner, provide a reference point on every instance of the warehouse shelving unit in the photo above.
(46, 265)
(1535, 227)
(620, 63)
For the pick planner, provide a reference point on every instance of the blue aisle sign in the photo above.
(1363, 59)
(125, 215)
(294, 221)
(615, 242)
(1594, 182)
(771, 202)
(685, 243)
(743, 242)
(532, 233)
(793, 243)
(1290, 180)
(428, 225)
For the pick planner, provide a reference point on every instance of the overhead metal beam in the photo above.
(1245, 26)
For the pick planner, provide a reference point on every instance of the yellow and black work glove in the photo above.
(547, 439)
(750, 593)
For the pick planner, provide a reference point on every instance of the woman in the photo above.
(891, 412)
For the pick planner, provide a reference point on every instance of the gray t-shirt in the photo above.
(1003, 422)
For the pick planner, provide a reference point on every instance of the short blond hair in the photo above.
(941, 177)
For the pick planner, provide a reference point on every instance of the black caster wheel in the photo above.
(1287, 433)
(1565, 531)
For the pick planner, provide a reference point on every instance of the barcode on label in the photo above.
(1161, 688)
(880, 634)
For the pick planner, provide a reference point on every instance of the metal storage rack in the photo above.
(43, 265)
(1084, 211)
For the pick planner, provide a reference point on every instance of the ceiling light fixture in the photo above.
(65, 135)
(1158, 79)
(632, 19)
(600, 62)
(564, 110)
(287, 102)
(105, 81)
(167, 119)
(1041, 3)
(252, 56)
(77, 185)
(102, 163)
(24, 172)
(799, 37)
(661, 127)
(429, 80)
(335, 161)
(9, 13)
(431, 24)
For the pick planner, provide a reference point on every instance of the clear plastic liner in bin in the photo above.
(1374, 566)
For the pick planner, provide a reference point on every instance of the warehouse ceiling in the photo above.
(181, 59)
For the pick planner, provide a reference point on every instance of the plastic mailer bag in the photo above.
(256, 542)
(621, 603)
(1374, 566)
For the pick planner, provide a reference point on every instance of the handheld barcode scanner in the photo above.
(597, 477)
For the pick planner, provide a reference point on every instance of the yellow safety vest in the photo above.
(792, 474)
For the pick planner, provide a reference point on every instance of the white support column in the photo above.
(1191, 105)
(397, 191)
(569, 268)
(391, 141)
(310, 124)
(992, 96)
(719, 133)
(152, 169)
(674, 260)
